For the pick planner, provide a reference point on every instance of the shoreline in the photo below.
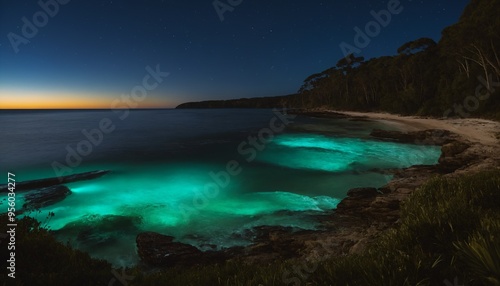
(486, 132)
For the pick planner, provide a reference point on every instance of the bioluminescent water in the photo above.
(163, 160)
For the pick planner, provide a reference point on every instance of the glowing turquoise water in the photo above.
(159, 173)
(301, 173)
(318, 152)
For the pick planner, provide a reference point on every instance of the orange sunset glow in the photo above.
(68, 100)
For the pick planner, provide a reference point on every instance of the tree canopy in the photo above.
(459, 76)
(424, 77)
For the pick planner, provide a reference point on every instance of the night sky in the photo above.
(91, 52)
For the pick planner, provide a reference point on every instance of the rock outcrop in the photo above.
(356, 201)
(45, 197)
(157, 249)
(452, 157)
(161, 250)
(426, 137)
(49, 182)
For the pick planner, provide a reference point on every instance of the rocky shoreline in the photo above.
(359, 218)
(55, 181)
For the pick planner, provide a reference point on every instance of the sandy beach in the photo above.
(482, 131)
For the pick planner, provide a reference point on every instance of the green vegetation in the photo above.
(424, 78)
(457, 77)
(42, 260)
(449, 229)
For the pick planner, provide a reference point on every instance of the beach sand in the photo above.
(486, 132)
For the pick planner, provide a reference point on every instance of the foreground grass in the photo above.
(449, 233)
(42, 260)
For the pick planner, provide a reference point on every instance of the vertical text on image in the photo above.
(11, 224)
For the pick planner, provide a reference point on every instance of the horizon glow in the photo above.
(28, 99)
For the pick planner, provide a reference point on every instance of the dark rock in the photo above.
(453, 149)
(270, 242)
(384, 171)
(410, 178)
(358, 200)
(245, 234)
(455, 155)
(273, 242)
(426, 137)
(362, 192)
(161, 250)
(392, 135)
(416, 171)
(266, 232)
(45, 197)
(49, 182)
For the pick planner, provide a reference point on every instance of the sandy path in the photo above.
(473, 129)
